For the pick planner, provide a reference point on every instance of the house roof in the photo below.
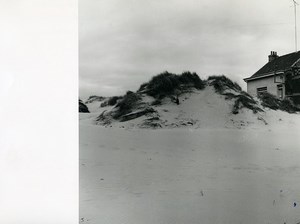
(281, 63)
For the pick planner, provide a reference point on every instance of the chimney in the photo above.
(273, 55)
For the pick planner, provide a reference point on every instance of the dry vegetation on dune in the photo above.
(274, 103)
(224, 86)
(111, 101)
(172, 86)
(130, 106)
(127, 104)
(82, 107)
(166, 84)
(221, 83)
(243, 100)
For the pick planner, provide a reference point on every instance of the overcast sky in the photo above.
(125, 43)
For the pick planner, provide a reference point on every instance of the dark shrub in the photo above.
(270, 101)
(111, 101)
(222, 83)
(163, 83)
(244, 100)
(274, 103)
(127, 104)
(296, 100)
(166, 84)
(288, 106)
(191, 78)
(82, 107)
(229, 96)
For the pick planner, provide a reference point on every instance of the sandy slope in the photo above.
(189, 176)
(228, 169)
(199, 109)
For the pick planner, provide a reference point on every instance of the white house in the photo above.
(280, 77)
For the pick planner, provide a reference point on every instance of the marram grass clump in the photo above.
(221, 83)
(274, 103)
(166, 84)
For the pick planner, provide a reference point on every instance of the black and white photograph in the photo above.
(189, 112)
(143, 112)
(150, 112)
(39, 177)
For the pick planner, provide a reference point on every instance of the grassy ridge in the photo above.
(167, 83)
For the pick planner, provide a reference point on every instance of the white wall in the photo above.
(264, 82)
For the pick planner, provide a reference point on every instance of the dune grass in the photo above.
(166, 84)
(274, 103)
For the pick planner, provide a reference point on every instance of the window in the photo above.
(280, 91)
(278, 78)
(261, 90)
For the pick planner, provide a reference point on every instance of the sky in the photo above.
(122, 44)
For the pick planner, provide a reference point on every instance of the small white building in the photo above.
(280, 77)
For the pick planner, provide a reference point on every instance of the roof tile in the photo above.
(278, 64)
